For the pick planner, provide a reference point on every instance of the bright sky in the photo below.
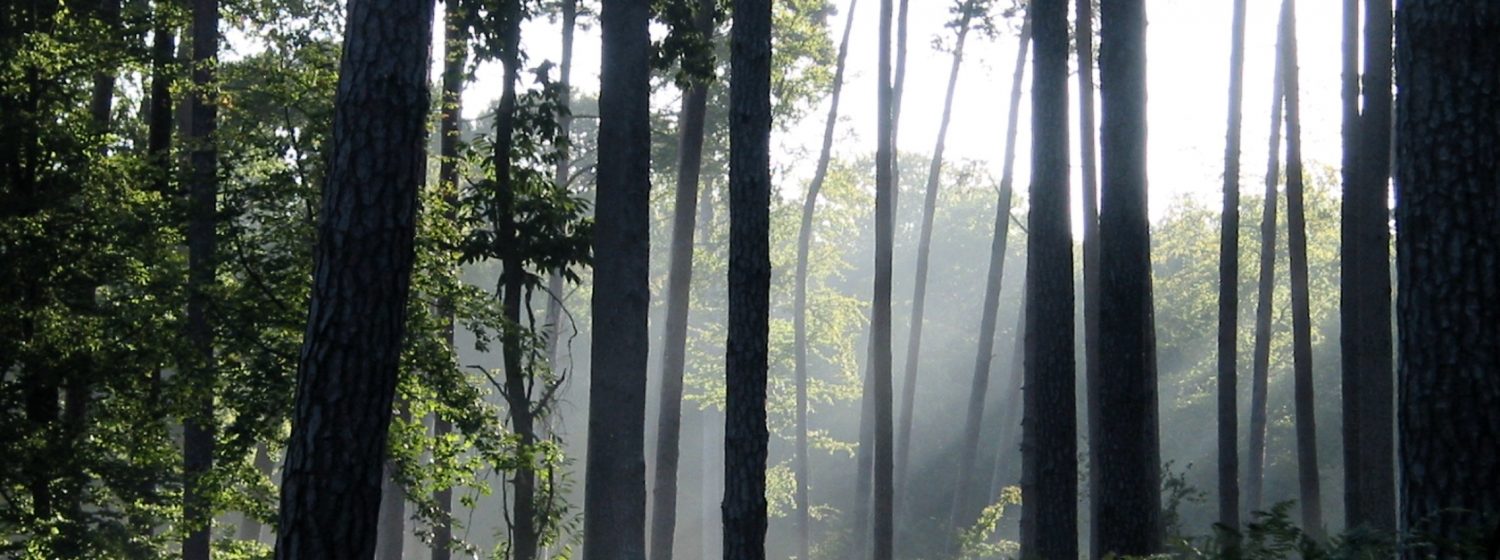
(1188, 42)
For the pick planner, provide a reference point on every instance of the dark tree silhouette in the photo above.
(1261, 367)
(1229, 283)
(203, 191)
(455, 58)
(880, 319)
(1447, 247)
(346, 378)
(1049, 480)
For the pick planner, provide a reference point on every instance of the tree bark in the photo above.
(615, 485)
(1229, 283)
(1365, 285)
(1049, 483)
(679, 286)
(924, 254)
(1447, 246)
(101, 103)
(1083, 35)
(455, 58)
(1305, 407)
(1129, 509)
(963, 511)
(880, 328)
(346, 377)
(198, 426)
(799, 319)
(1254, 472)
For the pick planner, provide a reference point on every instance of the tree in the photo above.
(745, 433)
(679, 283)
(198, 425)
(1229, 283)
(799, 304)
(1447, 244)
(1261, 367)
(1049, 483)
(1129, 457)
(962, 511)
(450, 119)
(1083, 34)
(346, 377)
(1307, 440)
(1365, 286)
(615, 480)
(967, 11)
(880, 319)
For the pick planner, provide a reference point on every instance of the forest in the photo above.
(750, 279)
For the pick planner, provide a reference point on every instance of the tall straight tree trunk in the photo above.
(615, 482)
(1254, 472)
(962, 512)
(1083, 36)
(562, 175)
(1229, 283)
(1305, 407)
(799, 319)
(159, 156)
(391, 529)
(924, 254)
(203, 190)
(101, 102)
(1364, 285)
(880, 328)
(745, 432)
(346, 378)
(1129, 454)
(1447, 247)
(455, 58)
(1049, 481)
(1013, 403)
(679, 284)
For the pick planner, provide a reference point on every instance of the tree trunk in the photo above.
(198, 426)
(1447, 246)
(963, 511)
(1049, 483)
(615, 483)
(102, 101)
(1365, 285)
(679, 286)
(1010, 425)
(391, 528)
(455, 58)
(1306, 423)
(562, 175)
(880, 328)
(745, 432)
(346, 379)
(799, 319)
(864, 459)
(1254, 473)
(1129, 508)
(1083, 35)
(924, 251)
(159, 115)
(1229, 284)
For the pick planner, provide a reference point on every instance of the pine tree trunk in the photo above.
(1083, 36)
(1049, 481)
(1229, 284)
(615, 481)
(1447, 247)
(1254, 472)
(346, 379)
(799, 319)
(964, 508)
(203, 188)
(455, 58)
(1365, 285)
(1306, 423)
(880, 328)
(924, 254)
(679, 285)
(1129, 471)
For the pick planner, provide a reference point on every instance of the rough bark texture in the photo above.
(965, 505)
(745, 432)
(880, 316)
(1049, 480)
(1365, 283)
(1261, 366)
(455, 58)
(924, 253)
(799, 305)
(203, 192)
(346, 378)
(1129, 510)
(615, 483)
(1309, 489)
(1229, 283)
(1447, 250)
(679, 284)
